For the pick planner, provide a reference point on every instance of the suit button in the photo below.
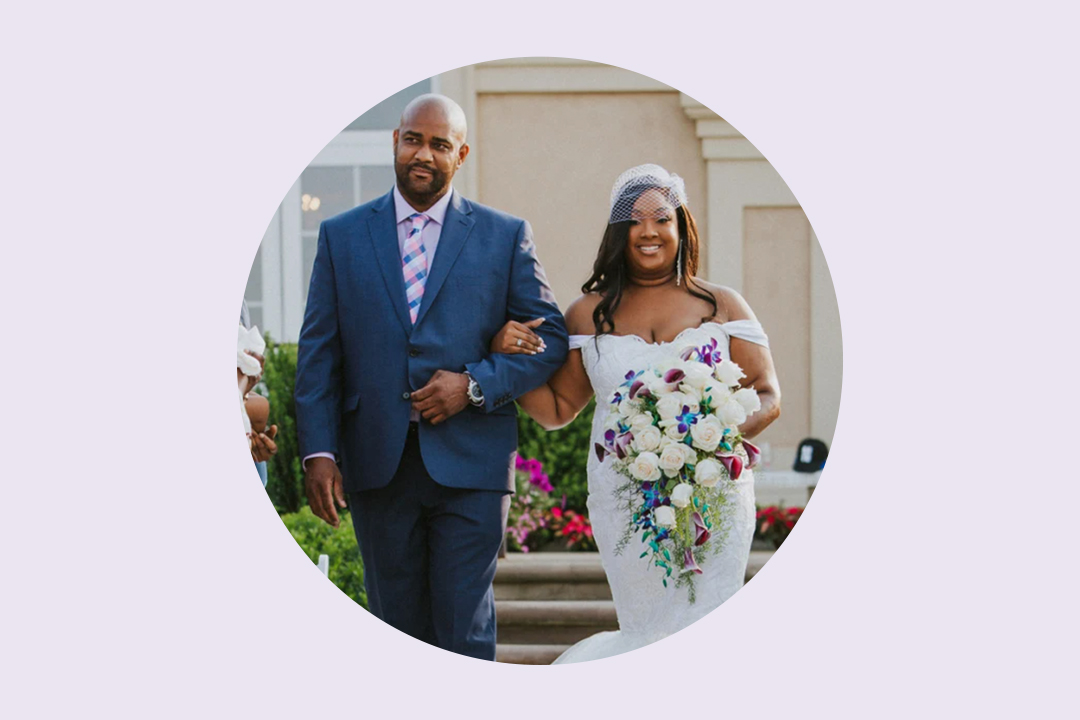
(413, 352)
(405, 396)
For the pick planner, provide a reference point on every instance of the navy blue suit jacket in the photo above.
(359, 355)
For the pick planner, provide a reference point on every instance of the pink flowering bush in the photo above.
(536, 519)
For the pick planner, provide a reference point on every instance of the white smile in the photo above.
(648, 249)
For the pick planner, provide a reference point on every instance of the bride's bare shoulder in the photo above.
(730, 305)
(579, 316)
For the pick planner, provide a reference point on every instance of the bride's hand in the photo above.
(518, 339)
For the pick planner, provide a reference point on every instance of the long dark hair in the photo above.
(610, 275)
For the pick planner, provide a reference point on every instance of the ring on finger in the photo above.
(519, 343)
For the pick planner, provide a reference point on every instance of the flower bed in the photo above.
(538, 521)
(774, 524)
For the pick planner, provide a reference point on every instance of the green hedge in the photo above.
(285, 478)
(316, 538)
(563, 452)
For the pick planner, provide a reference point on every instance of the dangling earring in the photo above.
(678, 266)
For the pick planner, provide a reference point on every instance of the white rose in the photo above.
(672, 460)
(646, 467)
(670, 405)
(707, 434)
(732, 413)
(629, 408)
(698, 374)
(729, 373)
(716, 394)
(672, 430)
(640, 421)
(680, 496)
(690, 453)
(692, 397)
(647, 439)
(708, 472)
(748, 398)
(664, 516)
(655, 383)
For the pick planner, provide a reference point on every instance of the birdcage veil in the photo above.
(631, 197)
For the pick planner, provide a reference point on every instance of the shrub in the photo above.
(774, 523)
(285, 478)
(316, 538)
(563, 453)
(526, 524)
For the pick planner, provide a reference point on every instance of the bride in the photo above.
(642, 305)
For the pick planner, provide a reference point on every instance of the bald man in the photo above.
(400, 406)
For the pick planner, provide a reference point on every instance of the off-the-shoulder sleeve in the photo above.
(578, 341)
(749, 330)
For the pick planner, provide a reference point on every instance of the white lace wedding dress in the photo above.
(648, 611)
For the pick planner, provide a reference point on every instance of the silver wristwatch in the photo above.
(476, 395)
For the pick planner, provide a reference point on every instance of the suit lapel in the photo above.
(456, 228)
(382, 232)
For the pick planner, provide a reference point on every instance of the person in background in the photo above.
(257, 407)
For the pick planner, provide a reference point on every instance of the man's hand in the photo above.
(263, 446)
(445, 395)
(323, 484)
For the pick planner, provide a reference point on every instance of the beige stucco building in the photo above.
(548, 137)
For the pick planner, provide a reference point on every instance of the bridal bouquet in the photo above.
(672, 430)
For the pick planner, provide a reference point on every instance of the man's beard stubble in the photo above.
(430, 189)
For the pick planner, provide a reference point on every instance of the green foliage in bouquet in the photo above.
(316, 538)
(285, 478)
(564, 454)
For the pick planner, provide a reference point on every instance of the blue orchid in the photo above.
(631, 377)
(707, 353)
(686, 419)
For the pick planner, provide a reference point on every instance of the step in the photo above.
(552, 622)
(528, 654)
(547, 571)
(550, 567)
(553, 591)
(758, 558)
(551, 576)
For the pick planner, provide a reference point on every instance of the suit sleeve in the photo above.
(318, 360)
(504, 378)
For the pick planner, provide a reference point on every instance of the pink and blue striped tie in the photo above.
(414, 262)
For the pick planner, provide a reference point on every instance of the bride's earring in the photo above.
(678, 266)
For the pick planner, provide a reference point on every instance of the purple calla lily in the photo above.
(601, 452)
(689, 563)
(701, 533)
(688, 353)
(733, 464)
(638, 389)
(674, 376)
(753, 454)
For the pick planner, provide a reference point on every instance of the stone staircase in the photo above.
(546, 602)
